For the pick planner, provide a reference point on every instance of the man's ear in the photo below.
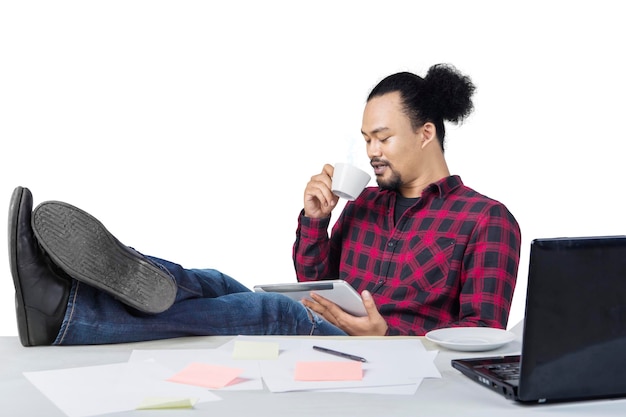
(429, 134)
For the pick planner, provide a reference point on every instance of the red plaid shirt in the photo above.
(451, 260)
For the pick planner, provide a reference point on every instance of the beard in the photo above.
(391, 184)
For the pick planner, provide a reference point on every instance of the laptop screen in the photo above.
(574, 343)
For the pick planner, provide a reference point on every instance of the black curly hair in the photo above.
(444, 94)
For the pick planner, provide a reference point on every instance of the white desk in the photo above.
(452, 395)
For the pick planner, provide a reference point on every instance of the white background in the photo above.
(190, 128)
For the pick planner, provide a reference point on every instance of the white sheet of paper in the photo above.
(388, 390)
(390, 363)
(103, 389)
(177, 359)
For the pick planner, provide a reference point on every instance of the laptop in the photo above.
(574, 335)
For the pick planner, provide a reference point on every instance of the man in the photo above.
(428, 250)
(449, 259)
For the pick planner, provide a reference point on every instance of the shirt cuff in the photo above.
(313, 229)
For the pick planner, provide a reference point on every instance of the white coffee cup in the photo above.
(349, 181)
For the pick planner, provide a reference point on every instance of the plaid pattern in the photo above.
(451, 260)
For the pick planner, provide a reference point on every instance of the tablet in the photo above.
(338, 291)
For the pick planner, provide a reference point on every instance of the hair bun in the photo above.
(447, 93)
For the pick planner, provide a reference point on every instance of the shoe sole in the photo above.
(82, 247)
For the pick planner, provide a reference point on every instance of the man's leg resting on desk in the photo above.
(77, 284)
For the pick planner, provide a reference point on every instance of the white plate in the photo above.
(470, 339)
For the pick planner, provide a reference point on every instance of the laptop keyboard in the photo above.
(506, 371)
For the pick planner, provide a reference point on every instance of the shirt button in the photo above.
(391, 244)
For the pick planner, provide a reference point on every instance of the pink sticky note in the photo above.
(205, 375)
(329, 371)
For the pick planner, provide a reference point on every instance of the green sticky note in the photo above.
(163, 403)
(255, 350)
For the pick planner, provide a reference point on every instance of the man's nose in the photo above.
(373, 149)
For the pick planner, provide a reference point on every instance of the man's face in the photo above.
(393, 147)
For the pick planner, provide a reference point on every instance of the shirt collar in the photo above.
(443, 187)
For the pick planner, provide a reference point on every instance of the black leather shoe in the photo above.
(41, 293)
(85, 250)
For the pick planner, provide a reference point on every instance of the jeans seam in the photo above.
(311, 319)
(194, 292)
(69, 315)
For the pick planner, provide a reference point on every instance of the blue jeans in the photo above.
(207, 303)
